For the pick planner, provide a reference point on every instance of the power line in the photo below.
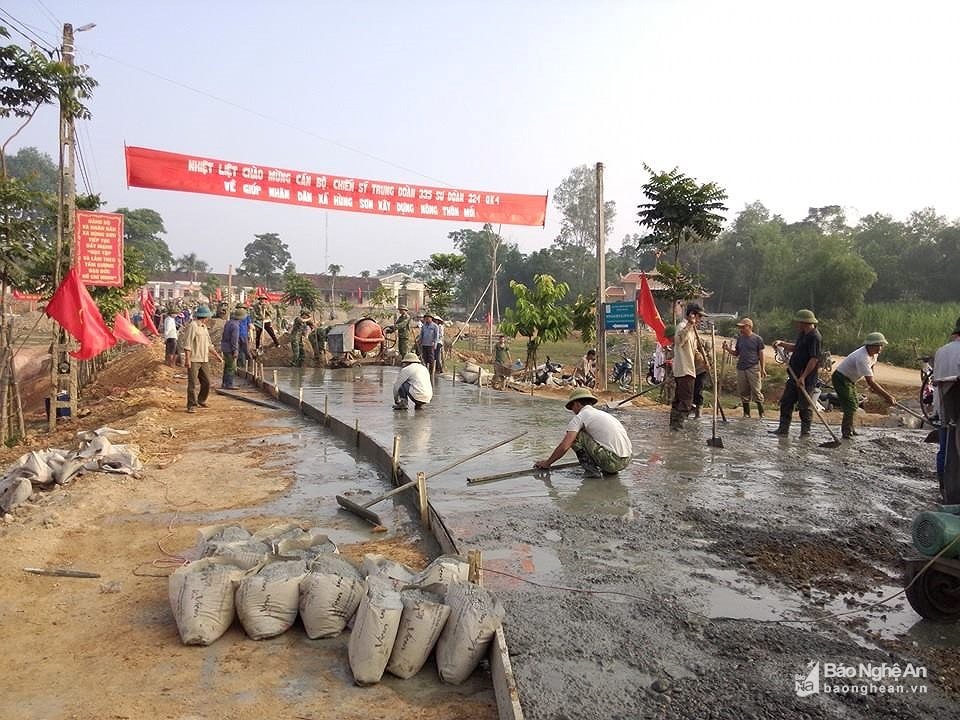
(53, 18)
(264, 116)
(24, 29)
(85, 129)
(81, 164)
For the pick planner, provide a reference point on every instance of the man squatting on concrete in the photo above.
(599, 440)
(748, 350)
(413, 383)
(856, 365)
(804, 361)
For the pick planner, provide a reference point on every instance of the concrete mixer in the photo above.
(364, 335)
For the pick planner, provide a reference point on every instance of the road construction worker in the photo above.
(858, 364)
(748, 350)
(412, 383)
(946, 384)
(402, 326)
(501, 360)
(262, 321)
(297, 333)
(196, 358)
(230, 348)
(318, 343)
(684, 365)
(598, 438)
(585, 371)
(803, 363)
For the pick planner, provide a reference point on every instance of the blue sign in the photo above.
(620, 316)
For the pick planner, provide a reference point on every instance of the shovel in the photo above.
(608, 407)
(835, 443)
(715, 441)
(917, 415)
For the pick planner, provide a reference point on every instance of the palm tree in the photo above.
(334, 270)
(192, 264)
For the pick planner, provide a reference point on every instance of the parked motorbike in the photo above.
(548, 372)
(622, 373)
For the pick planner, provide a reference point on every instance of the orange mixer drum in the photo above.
(367, 335)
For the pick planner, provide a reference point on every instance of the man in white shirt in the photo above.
(946, 382)
(170, 337)
(856, 365)
(412, 383)
(599, 440)
(684, 365)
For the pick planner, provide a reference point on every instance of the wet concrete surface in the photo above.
(706, 545)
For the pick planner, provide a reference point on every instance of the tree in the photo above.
(882, 242)
(333, 271)
(142, 229)
(576, 199)
(190, 263)
(584, 318)
(382, 304)
(364, 274)
(35, 169)
(209, 286)
(264, 257)
(397, 268)
(538, 314)
(446, 269)
(298, 290)
(680, 210)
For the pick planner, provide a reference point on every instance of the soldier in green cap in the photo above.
(803, 362)
(402, 325)
(297, 332)
(856, 365)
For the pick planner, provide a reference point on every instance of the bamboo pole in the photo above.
(395, 457)
(422, 496)
(475, 573)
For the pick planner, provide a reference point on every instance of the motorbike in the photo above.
(547, 372)
(622, 373)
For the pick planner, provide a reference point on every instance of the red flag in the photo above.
(125, 330)
(647, 310)
(148, 306)
(72, 307)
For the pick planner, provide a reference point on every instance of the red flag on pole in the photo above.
(125, 330)
(148, 306)
(72, 307)
(647, 310)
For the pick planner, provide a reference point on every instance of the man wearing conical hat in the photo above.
(856, 365)
(599, 439)
(412, 383)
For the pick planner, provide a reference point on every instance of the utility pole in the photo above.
(63, 372)
(494, 245)
(601, 285)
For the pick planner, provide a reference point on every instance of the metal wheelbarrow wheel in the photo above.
(935, 596)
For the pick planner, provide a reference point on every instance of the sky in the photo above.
(794, 104)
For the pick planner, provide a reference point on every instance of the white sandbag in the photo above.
(474, 617)
(329, 596)
(202, 599)
(246, 554)
(399, 575)
(424, 615)
(223, 533)
(13, 492)
(313, 544)
(443, 571)
(374, 631)
(267, 602)
(273, 534)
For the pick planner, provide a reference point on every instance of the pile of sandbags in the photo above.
(399, 617)
(41, 469)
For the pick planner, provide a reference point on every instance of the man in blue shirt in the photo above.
(429, 334)
(804, 359)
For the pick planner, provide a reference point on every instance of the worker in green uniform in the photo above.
(318, 342)
(402, 325)
(297, 333)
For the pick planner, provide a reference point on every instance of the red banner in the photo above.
(99, 238)
(190, 173)
(26, 297)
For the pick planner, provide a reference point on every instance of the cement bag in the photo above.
(329, 595)
(444, 570)
(308, 548)
(273, 534)
(421, 623)
(398, 574)
(267, 602)
(246, 554)
(374, 631)
(13, 492)
(474, 617)
(222, 533)
(202, 599)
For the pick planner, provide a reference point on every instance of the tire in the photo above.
(626, 380)
(936, 596)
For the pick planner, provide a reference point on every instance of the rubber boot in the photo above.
(760, 410)
(784, 427)
(806, 422)
(696, 411)
(846, 429)
(746, 408)
(676, 419)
